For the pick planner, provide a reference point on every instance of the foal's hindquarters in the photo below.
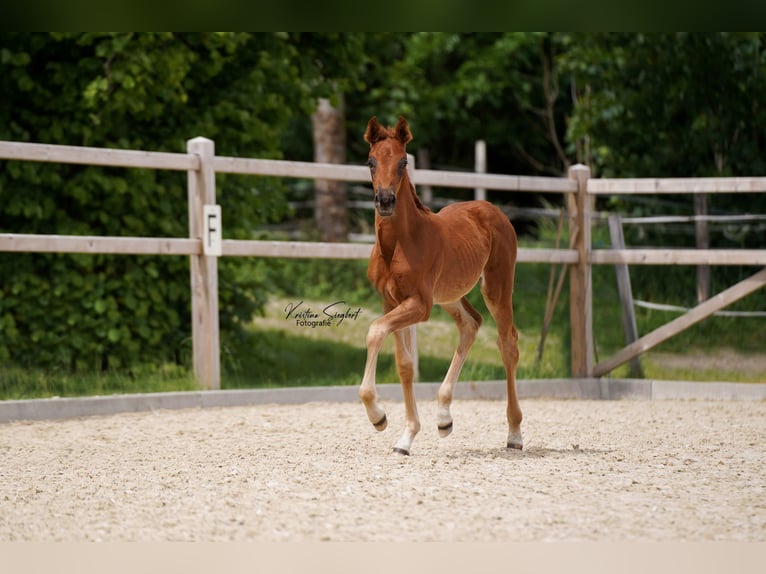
(497, 290)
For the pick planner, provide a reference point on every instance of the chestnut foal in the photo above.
(421, 258)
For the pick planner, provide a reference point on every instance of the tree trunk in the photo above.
(330, 211)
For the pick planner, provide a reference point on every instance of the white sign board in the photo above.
(211, 240)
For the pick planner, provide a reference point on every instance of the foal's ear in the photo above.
(374, 132)
(402, 130)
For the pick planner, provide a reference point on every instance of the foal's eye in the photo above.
(371, 163)
(402, 164)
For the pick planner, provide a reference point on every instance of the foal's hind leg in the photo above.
(468, 322)
(497, 289)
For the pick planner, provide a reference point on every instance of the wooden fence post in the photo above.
(425, 192)
(702, 241)
(480, 166)
(204, 269)
(626, 293)
(580, 286)
(414, 328)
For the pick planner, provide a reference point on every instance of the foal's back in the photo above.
(480, 218)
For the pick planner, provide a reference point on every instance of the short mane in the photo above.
(418, 203)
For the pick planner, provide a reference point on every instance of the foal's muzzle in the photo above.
(385, 199)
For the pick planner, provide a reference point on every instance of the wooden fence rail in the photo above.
(672, 185)
(98, 156)
(203, 249)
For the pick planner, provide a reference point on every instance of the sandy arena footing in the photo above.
(680, 470)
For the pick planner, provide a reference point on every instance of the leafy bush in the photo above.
(134, 91)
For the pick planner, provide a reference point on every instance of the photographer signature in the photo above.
(330, 315)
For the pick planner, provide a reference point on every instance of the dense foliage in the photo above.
(630, 105)
(675, 105)
(135, 91)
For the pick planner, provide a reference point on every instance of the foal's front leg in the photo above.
(376, 334)
(408, 313)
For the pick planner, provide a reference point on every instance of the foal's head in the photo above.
(387, 161)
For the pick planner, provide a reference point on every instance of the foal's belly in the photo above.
(452, 286)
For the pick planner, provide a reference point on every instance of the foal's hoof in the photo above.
(402, 451)
(445, 430)
(514, 440)
(381, 424)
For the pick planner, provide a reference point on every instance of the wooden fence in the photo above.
(205, 244)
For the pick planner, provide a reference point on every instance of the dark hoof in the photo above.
(381, 424)
(445, 430)
(401, 451)
(514, 446)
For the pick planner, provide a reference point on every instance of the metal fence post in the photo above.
(204, 269)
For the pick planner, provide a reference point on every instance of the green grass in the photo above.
(281, 353)
(18, 383)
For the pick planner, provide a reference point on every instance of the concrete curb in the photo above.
(582, 389)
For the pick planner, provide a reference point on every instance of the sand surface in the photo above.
(603, 470)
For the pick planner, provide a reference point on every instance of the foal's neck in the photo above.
(410, 219)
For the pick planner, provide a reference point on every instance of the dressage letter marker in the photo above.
(211, 244)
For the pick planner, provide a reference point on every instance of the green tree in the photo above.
(674, 105)
(458, 88)
(333, 63)
(670, 105)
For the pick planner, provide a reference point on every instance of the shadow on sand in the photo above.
(531, 452)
